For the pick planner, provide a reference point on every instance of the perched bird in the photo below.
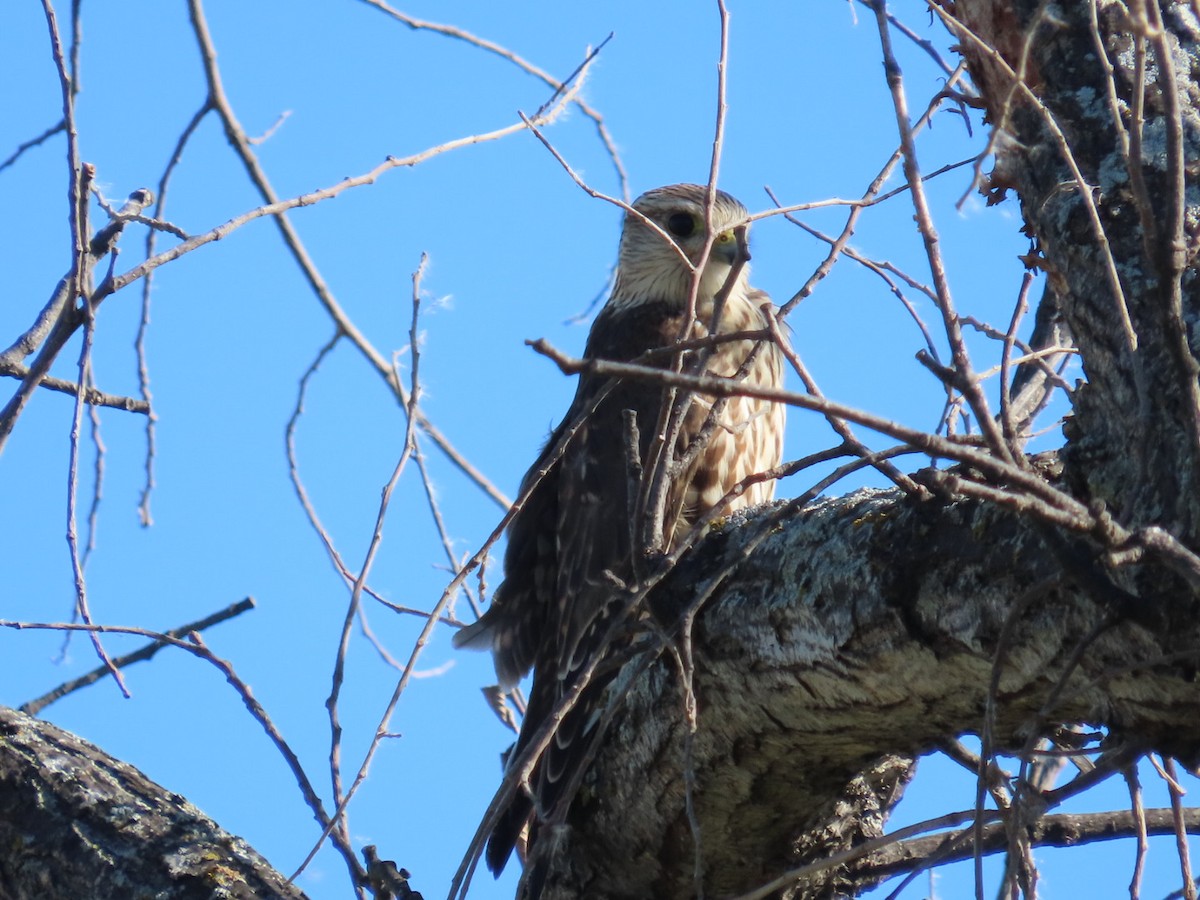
(578, 544)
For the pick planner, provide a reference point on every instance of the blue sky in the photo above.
(516, 250)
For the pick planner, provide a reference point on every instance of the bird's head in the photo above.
(650, 266)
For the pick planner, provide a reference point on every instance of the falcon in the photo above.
(592, 520)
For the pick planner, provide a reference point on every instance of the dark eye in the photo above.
(681, 224)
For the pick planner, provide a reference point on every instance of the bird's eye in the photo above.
(681, 224)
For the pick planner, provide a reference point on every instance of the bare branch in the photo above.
(35, 706)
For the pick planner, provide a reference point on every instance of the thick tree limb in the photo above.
(74, 822)
(857, 630)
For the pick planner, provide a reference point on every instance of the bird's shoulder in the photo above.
(622, 332)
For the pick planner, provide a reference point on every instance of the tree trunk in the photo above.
(843, 638)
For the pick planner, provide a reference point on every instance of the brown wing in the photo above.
(516, 622)
(568, 549)
(598, 487)
(575, 523)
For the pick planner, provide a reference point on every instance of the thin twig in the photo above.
(452, 31)
(1082, 188)
(869, 197)
(310, 512)
(1171, 259)
(85, 360)
(343, 797)
(54, 129)
(275, 207)
(1060, 830)
(139, 344)
(1138, 812)
(1045, 498)
(97, 484)
(60, 317)
(840, 426)
(196, 647)
(1181, 830)
(91, 395)
(866, 848)
(35, 706)
(969, 384)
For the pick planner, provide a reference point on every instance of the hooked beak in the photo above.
(731, 246)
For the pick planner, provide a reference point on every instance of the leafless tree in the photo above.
(757, 742)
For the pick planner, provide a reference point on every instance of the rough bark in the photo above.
(1133, 443)
(74, 822)
(871, 625)
(859, 629)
